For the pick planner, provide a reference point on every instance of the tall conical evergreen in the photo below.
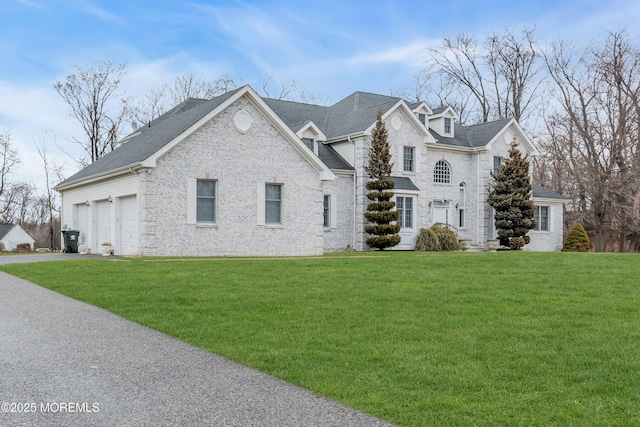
(384, 234)
(511, 199)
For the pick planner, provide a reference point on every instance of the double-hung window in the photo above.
(447, 126)
(497, 162)
(206, 201)
(404, 206)
(273, 204)
(542, 218)
(408, 159)
(326, 211)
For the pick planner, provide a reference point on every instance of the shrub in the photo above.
(438, 238)
(23, 247)
(427, 240)
(577, 240)
(447, 238)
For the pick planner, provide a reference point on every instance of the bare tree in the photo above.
(91, 94)
(149, 107)
(190, 85)
(286, 88)
(438, 92)
(499, 76)
(49, 200)
(9, 159)
(595, 134)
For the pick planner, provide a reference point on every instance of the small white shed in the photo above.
(11, 235)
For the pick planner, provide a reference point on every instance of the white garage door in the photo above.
(102, 225)
(82, 222)
(128, 226)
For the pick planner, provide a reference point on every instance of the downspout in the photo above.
(477, 196)
(355, 195)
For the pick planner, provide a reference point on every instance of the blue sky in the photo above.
(329, 47)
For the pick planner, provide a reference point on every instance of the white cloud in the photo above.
(412, 54)
(32, 113)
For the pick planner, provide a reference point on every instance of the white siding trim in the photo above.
(192, 185)
(333, 209)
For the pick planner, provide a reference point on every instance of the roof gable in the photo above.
(5, 229)
(402, 105)
(150, 142)
(483, 135)
(148, 139)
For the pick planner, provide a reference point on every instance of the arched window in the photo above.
(442, 172)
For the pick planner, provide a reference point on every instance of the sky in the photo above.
(330, 48)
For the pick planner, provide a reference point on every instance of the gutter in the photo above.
(100, 177)
(343, 137)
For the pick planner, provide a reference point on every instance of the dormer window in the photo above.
(423, 118)
(447, 125)
(309, 143)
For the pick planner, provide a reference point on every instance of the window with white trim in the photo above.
(326, 211)
(206, 201)
(308, 142)
(273, 204)
(461, 206)
(423, 118)
(447, 125)
(408, 158)
(497, 162)
(542, 218)
(442, 172)
(404, 206)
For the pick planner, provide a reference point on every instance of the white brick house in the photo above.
(243, 175)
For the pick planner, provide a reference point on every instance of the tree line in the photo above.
(580, 105)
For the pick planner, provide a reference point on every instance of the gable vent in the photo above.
(242, 120)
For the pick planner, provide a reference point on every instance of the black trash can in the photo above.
(71, 241)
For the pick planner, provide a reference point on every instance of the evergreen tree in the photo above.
(384, 234)
(511, 199)
(577, 240)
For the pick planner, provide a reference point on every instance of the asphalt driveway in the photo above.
(67, 363)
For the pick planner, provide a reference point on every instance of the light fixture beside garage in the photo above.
(110, 199)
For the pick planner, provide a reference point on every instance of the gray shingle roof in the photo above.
(404, 183)
(151, 138)
(353, 114)
(545, 193)
(472, 136)
(331, 158)
(4, 229)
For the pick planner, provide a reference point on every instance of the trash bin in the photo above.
(71, 241)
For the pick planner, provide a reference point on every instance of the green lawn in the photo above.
(418, 339)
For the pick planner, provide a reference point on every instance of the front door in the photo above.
(442, 213)
(406, 207)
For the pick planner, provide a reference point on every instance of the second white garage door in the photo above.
(128, 226)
